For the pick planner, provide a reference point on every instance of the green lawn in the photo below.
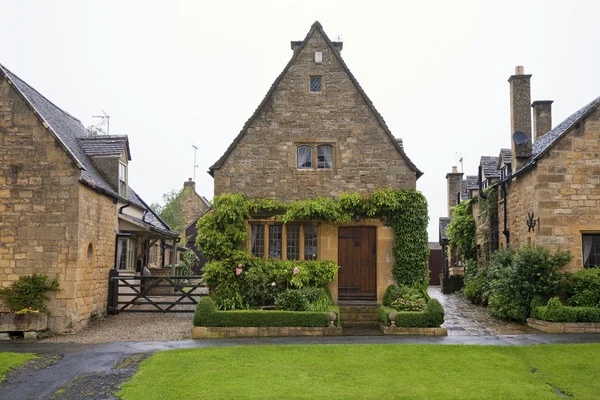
(9, 361)
(369, 372)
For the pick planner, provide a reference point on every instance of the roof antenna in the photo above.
(339, 38)
(460, 158)
(104, 120)
(195, 166)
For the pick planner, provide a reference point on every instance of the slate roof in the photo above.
(546, 141)
(434, 246)
(105, 145)
(443, 224)
(70, 134)
(468, 184)
(506, 155)
(490, 167)
(316, 26)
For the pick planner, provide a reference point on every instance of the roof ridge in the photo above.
(35, 90)
(95, 137)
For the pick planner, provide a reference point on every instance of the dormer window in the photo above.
(304, 157)
(123, 179)
(324, 157)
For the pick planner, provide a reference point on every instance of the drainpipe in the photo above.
(506, 232)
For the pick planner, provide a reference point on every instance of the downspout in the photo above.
(506, 232)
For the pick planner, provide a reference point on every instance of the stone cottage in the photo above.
(316, 133)
(67, 208)
(549, 181)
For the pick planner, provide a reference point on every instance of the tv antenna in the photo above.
(460, 157)
(104, 120)
(195, 165)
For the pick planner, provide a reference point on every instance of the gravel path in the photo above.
(138, 327)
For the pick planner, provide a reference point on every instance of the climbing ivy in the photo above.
(222, 231)
(488, 214)
(461, 231)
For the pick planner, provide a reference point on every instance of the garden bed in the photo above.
(28, 325)
(427, 322)
(558, 318)
(563, 327)
(212, 323)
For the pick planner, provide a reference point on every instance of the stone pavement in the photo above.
(465, 318)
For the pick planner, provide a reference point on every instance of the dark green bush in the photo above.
(431, 317)
(555, 311)
(533, 271)
(480, 278)
(583, 288)
(207, 315)
(312, 294)
(28, 291)
(291, 300)
(395, 292)
(452, 284)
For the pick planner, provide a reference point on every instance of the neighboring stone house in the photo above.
(549, 181)
(316, 133)
(67, 208)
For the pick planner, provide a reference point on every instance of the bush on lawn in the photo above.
(431, 317)
(555, 311)
(583, 288)
(207, 315)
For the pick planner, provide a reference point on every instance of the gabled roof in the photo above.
(490, 167)
(75, 139)
(467, 184)
(505, 156)
(546, 141)
(105, 145)
(315, 27)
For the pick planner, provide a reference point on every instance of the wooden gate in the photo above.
(357, 257)
(129, 293)
(436, 266)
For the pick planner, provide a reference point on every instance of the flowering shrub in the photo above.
(409, 303)
(27, 310)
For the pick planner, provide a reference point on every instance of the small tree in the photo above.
(171, 212)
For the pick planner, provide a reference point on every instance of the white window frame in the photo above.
(129, 253)
(123, 179)
(311, 156)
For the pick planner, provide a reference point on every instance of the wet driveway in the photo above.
(465, 318)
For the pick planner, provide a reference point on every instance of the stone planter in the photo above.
(215, 332)
(563, 327)
(28, 324)
(402, 331)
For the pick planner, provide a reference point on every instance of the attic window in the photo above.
(123, 179)
(324, 157)
(304, 157)
(315, 84)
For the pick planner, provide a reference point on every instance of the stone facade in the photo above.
(263, 162)
(191, 203)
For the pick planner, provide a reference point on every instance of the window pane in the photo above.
(310, 242)
(275, 241)
(304, 157)
(293, 242)
(591, 250)
(257, 244)
(324, 157)
(121, 171)
(315, 83)
(122, 253)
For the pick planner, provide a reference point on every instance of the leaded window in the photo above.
(591, 250)
(257, 237)
(304, 157)
(293, 242)
(310, 242)
(315, 84)
(275, 241)
(324, 157)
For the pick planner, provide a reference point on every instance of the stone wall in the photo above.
(98, 229)
(191, 205)
(39, 201)
(263, 164)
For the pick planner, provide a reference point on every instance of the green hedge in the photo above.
(555, 311)
(432, 317)
(207, 315)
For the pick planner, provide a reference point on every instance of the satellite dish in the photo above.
(520, 138)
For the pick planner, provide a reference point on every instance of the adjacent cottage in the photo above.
(316, 133)
(67, 208)
(548, 183)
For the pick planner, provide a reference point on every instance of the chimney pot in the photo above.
(519, 70)
(454, 169)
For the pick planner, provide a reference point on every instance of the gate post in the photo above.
(113, 292)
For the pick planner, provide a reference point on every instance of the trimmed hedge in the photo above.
(207, 315)
(432, 317)
(555, 311)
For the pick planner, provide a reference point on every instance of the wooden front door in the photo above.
(357, 257)
(436, 266)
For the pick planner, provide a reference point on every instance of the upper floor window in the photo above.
(315, 84)
(304, 157)
(324, 156)
(591, 250)
(123, 179)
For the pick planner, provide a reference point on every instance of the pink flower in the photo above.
(296, 270)
(239, 265)
(272, 283)
(238, 270)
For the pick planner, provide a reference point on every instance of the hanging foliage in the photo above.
(488, 231)
(461, 231)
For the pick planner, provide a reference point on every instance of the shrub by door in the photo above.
(357, 257)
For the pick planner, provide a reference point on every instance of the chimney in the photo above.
(294, 44)
(542, 117)
(453, 179)
(190, 183)
(520, 116)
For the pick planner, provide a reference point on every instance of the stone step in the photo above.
(360, 324)
(360, 317)
(359, 309)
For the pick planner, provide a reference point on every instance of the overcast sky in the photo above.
(173, 74)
